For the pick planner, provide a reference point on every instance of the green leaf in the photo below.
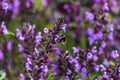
(73, 24)
(11, 33)
(111, 63)
(2, 75)
(50, 77)
(93, 75)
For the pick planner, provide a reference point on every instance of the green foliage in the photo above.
(50, 77)
(11, 34)
(2, 75)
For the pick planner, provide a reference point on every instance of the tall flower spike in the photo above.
(36, 53)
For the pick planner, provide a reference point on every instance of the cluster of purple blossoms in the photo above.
(37, 61)
(37, 47)
(66, 67)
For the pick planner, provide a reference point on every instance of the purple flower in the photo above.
(57, 37)
(106, 63)
(22, 77)
(103, 68)
(68, 72)
(9, 46)
(45, 3)
(67, 18)
(76, 65)
(36, 52)
(51, 18)
(64, 27)
(97, 1)
(75, 50)
(100, 51)
(71, 60)
(105, 75)
(96, 68)
(3, 28)
(28, 64)
(93, 37)
(110, 28)
(4, 5)
(119, 75)
(84, 72)
(55, 72)
(44, 68)
(114, 54)
(89, 55)
(105, 7)
(1, 55)
(41, 79)
(95, 58)
(113, 5)
(91, 40)
(89, 16)
(46, 30)
(19, 35)
(31, 28)
(90, 31)
(66, 6)
(20, 48)
(36, 67)
(110, 36)
(56, 50)
(77, 18)
(28, 67)
(118, 27)
(28, 3)
(29, 61)
(76, 7)
(103, 44)
(119, 69)
(38, 38)
(94, 49)
(99, 35)
(15, 8)
(79, 79)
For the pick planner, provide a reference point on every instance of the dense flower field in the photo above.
(59, 40)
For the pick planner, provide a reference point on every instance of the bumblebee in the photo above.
(62, 40)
